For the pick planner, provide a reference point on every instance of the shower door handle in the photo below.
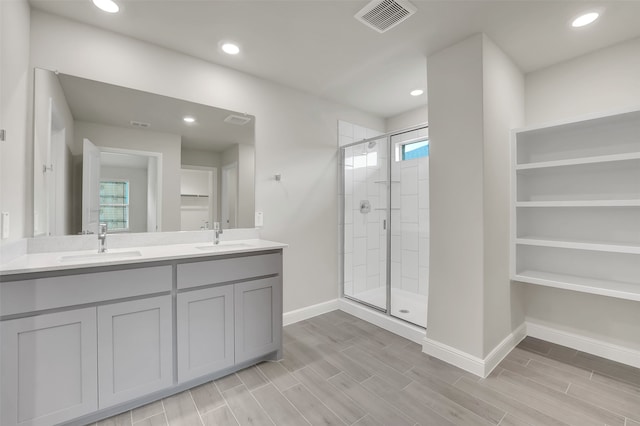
(384, 224)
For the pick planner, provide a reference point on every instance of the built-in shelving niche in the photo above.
(576, 206)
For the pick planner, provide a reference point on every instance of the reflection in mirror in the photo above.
(132, 159)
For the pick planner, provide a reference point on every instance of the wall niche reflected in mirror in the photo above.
(138, 161)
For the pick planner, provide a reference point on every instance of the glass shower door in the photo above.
(365, 189)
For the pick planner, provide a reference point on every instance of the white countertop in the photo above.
(65, 260)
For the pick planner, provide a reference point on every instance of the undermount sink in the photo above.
(224, 246)
(101, 256)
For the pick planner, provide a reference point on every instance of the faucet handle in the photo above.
(217, 227)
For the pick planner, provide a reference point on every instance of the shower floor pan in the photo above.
(408, 306)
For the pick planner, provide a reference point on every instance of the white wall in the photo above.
(246, 186)
(16, 172)
(137, 193)
(476, 97)
(455, 80)
(49, 97)
(503, 107)
(295, 136)
(194, 157)
(408, 119)
(149, 141)
(604, 81)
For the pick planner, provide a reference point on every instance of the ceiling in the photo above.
(119, 106)
(319, 47)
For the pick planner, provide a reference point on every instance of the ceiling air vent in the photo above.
(382, 15)
(140, 124)
(237, 120)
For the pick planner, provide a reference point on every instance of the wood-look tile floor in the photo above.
(339, 370)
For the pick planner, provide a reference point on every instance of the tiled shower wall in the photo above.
(365, 238)
(410, 220)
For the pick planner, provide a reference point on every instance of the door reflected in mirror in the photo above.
(110, 154)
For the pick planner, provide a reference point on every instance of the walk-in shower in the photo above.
(385, 232)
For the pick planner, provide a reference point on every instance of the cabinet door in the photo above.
(258, 314)
(49, 368)
(134, 349)
(205, 331)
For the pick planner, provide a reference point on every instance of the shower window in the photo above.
(415, 150)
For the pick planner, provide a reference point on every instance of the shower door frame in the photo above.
(387, 136)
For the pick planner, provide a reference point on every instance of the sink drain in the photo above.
(404, 311)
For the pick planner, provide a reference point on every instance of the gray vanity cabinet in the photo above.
(84, 344)
(258, 318)
(205, 331)
(229, 312)
(134, 349)
(49, 367)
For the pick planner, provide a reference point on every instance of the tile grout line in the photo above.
(503, 417)
(226, 403)
(322, 402)
(292, 404)
(196, 407)
(164, 411)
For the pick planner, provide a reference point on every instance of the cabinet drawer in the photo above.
(223, 270)
(48, 293)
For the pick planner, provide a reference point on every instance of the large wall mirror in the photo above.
(138, 161)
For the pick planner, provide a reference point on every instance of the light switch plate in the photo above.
(5, 225)
(259, 219)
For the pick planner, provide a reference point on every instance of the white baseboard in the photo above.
(478, 366)
(394, 325)
(498, 353)
(472, 364)
(586, 344)
(302, 314)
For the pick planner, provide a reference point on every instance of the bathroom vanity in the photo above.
(86, 337)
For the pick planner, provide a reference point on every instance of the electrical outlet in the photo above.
(259, 219)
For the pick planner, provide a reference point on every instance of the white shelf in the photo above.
(580, 203)
(579, 214)
(579, 161)
(580, 245)
(616, 289)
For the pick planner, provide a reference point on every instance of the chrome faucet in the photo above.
(217, 230)
(102, 238)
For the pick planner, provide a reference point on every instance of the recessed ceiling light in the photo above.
(585, 19)
(417, 92)
(107, 5)
(230, 48)
(189, 119)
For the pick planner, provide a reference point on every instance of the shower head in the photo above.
(372, 144)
